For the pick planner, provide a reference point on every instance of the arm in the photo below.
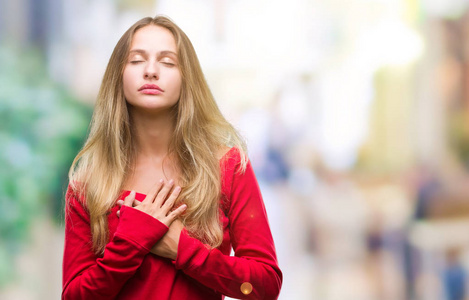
(86, 276)
(254, 264)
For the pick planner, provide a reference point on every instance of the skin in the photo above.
(153, 60)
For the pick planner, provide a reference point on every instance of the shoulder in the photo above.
(222, 152)
(233, 163)
(232, 158)
(75, 197)
(76, 211)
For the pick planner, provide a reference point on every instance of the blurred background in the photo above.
(356, 114)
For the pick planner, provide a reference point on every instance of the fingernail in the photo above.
(161, 180)
(177, 189)
(133, 193)
(184, 206)
(171, 181)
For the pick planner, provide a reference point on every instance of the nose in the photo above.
(151, 70)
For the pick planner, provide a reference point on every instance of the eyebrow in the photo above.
(161, 53)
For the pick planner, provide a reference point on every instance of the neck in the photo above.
(152, 134)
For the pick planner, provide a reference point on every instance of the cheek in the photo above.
(177, 83)
(126, 78)
(177, 89)
(127, 81)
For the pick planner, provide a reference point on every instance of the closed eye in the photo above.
(168, 63)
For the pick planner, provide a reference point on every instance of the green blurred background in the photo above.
(356, 114)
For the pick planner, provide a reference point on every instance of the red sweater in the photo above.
(128, 270)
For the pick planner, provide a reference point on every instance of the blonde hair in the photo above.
(100, 168)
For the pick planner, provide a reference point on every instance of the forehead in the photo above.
(152, 38)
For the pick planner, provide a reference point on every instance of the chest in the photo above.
(225, 247)
(145, 175)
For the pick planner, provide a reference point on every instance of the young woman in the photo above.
(157, 130)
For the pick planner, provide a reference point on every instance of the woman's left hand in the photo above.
(168, 245)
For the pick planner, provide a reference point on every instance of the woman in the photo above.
(156, 129)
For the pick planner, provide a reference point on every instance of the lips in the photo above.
(150, 89)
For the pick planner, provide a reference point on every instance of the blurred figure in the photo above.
(454, 276)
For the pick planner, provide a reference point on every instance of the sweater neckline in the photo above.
(126, 192)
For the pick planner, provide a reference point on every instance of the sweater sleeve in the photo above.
(87, 276)
(253, 272)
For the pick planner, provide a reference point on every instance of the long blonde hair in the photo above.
(100, 168)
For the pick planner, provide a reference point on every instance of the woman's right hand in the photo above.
(159, 202)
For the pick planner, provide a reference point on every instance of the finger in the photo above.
(176, 213)
(154, 191)
(118, 213)
(134, 203)
(163, 193)
(129, 199)
(172, 198)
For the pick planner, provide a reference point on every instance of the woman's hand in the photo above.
(158, 203)
(168, 245)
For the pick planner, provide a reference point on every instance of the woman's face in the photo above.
(152, 80)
